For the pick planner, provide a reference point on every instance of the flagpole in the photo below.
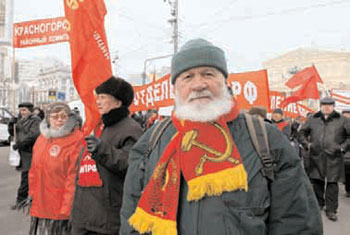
(13, 80)
(326, 90)
(13, 65)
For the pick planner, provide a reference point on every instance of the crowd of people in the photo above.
(199, 171)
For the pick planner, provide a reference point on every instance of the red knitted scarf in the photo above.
(88, 172)
(208, 158)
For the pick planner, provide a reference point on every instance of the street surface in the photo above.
(16, 223)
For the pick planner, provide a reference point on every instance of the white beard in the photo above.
(204, 112)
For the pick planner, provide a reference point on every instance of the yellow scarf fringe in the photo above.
(144, 222)
(215, 184)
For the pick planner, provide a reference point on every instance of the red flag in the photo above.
(308, 79)
(91, 64)
(303, 77)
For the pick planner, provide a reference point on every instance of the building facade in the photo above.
(333, 67)
(54, 83)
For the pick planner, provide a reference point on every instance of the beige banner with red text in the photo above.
(40, 32)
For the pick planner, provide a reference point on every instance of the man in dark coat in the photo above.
(346, 113)
(98, 198)
(27, 131)
(204, 175)
(325, 135)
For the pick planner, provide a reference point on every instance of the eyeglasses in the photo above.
(62, 116)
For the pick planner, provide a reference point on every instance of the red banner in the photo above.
(40, 32)
(91, 62)
(292, 110)
(154, 95)
(250, 89)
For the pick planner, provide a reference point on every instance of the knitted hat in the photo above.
(279, 111)
(197, 53)
(28, 105)
(119, 89)
(327, 100)
(55, 108)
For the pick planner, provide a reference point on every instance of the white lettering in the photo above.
(164, 90)
(236, 88)
(101, 45)
(156, 92)
(149, 96)
(250, 92)
(18, 31)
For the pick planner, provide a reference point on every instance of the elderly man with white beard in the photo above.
(204, 176)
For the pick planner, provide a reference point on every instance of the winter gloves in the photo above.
(92, 143)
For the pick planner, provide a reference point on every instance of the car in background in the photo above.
(5, 116)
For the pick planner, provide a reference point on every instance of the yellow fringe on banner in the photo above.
(215, 184)
(144, 222)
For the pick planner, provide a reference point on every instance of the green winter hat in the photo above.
(197, 53)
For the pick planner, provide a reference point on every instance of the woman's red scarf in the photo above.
(207, 157)
(88, 172)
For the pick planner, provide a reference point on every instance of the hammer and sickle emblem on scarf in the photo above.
(73, 4)
(189, 140)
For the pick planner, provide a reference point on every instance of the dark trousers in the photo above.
(328, 198)
(22, 192)
(347, 178)
(82, 231)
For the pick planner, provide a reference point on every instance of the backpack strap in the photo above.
(157, 132)
(258, 134)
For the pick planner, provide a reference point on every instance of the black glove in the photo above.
(92, 143)
(15, 146)
(18, 146)
(13, 120)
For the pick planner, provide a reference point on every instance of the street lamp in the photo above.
(145, 65)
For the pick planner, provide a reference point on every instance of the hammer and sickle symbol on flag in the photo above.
(73, 4)
(189, 140)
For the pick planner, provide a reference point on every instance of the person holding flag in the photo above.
(103, 165)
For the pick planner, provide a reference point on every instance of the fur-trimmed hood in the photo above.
(66, 129)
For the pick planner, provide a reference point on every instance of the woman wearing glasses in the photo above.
(53, 171)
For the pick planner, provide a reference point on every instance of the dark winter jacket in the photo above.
(289, 207)
(347, 153)
(283, 126)
(326, 139)
(98, 209)
(27, 131)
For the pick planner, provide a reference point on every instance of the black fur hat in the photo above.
(28, 105)
(119, 89)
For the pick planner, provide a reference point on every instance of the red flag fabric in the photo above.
(308, 79)
(91, 64)
(303, 77)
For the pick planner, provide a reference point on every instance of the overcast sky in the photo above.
(250, 31)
